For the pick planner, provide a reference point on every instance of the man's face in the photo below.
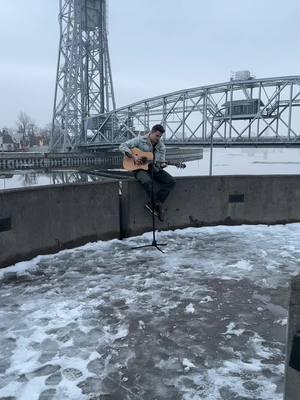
(155, 137)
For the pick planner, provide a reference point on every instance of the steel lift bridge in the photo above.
(84, 84)
(242, 111)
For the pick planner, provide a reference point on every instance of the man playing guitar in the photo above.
(148, 143)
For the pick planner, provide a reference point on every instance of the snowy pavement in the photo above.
(206, 320)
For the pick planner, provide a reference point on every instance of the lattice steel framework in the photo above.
(84, 81)
(250, 111)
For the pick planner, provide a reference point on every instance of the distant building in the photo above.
(241, 76)
(21, 140)
(18, 141)
(39, 141)
(6, 142)
(242, 109)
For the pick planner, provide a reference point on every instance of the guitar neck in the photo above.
(171, 163)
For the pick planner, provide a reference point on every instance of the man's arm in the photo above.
(161, 156)
(126, 147)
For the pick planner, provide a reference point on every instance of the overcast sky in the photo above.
(156, 46)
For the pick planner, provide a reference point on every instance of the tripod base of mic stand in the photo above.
(153, 244)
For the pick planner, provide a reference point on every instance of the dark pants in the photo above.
(165, 180)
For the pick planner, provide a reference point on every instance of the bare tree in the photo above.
(24, 122)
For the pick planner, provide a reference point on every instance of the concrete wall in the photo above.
(292, 374)
(14, 160)
(46, 219)
(199, 201)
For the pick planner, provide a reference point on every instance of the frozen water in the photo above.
(206, 320)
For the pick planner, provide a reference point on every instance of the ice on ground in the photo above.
(231, 330)
(187, 364)
(190, 309)
(206, 299)
(206, 320)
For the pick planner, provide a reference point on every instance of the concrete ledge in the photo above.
(47, 219)
(292, 375)
(200, 201)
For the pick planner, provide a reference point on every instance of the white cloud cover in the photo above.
(155, 46)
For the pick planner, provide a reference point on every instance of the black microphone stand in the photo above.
(154, 242)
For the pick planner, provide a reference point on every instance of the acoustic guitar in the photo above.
(147, 159)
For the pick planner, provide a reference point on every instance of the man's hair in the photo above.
(158, 127)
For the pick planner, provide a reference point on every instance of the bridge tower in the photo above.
(84, 84)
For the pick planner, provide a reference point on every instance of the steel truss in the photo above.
(83, 82)
(210, 112)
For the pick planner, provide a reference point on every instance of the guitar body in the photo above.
(147, 157)
(129, 164)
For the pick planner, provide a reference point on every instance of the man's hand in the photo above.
(137, 160)
(163, 165)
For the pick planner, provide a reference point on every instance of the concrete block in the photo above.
(48, 219)
(200, 201)
(292, 375)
